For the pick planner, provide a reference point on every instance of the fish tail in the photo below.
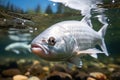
(103, 47)
(102, 32)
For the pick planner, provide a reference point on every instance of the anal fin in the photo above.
(89, 51)
(92, 52)
(94, 56)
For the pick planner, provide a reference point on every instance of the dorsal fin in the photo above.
(86, 20)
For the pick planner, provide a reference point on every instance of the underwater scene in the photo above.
(59, 40)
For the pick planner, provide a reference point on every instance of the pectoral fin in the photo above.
(76, 61)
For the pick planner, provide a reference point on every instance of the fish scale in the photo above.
(83, 35)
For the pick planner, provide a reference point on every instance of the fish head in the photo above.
(50, 45)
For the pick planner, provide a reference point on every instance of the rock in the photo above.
(20, 77)
(11, 72)
(27, 73)
(46, 68)
(36, 62)
(113, 67)
(33, 78)
(21, 61)
(7, 78)
(81, 76)
(115, 76)
(59, 76)
(91, 78)
(35, 69)
(59, 68)
(98, 65)
(97, 76)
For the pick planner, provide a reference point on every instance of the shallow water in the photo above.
(25, 34)
(21, 34)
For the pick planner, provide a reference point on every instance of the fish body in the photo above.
(68, 41)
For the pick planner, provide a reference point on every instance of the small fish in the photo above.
(68, 41)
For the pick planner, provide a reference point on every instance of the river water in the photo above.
(14, 41)
(99, 17)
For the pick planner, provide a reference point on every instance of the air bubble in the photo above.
(54, 4)
(113, 1)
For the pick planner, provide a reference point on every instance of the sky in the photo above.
(31, 4)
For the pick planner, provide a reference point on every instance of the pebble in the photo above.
(59, 76)
(59, 68)
(35, 69)
(11, 72)
(90, 78)
(20, 77)
(81, 76)
(113, 67)
(21, 61)
(33, 78)
(115, 76)
(36, 62)
(97, 76)
(46, 68)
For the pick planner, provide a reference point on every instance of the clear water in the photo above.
(25, 35)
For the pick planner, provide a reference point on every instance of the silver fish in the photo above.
(68, 41)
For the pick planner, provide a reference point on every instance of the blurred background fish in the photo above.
(18, 47)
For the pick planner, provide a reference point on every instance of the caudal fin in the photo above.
(102, 32)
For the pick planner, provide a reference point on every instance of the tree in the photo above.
(38, 9)
(2, 2)
(49, 10)
(8, 6)
(18, 10)
(59, 8)
(12, 8)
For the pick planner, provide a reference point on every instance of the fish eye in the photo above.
(51, 41)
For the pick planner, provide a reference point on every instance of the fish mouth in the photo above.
(39, 50)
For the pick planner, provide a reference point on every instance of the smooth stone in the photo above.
(33, 78)
(98, 75)
(11, 72)
(20, 77)
(115, 76)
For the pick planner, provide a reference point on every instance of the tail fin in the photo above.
(102, 32)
